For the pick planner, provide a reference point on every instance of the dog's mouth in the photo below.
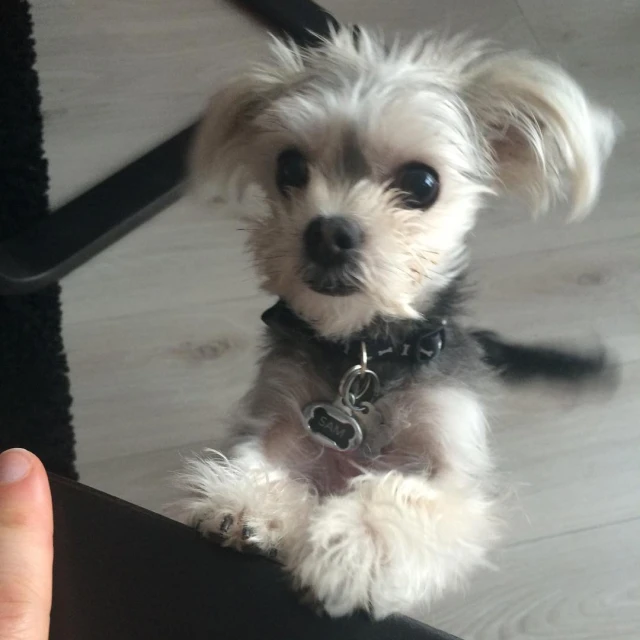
(331, 282)
(335, 289)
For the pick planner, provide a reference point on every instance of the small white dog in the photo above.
(359, 458)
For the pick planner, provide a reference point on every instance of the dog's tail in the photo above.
(520, 363)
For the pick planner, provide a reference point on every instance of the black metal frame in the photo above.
(51, 248)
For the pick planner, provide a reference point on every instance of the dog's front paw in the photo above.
(340, 559)
(389, 545)
(247, 509)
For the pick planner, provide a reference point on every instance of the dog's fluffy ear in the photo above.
(218, 154)
(548, 141)
(216, 158)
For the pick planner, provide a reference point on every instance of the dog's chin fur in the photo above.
(342, 316)
(394, 532)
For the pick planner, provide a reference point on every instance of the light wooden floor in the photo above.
(160, 329)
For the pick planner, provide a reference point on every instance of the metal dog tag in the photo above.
(339, 425)
(332, 426)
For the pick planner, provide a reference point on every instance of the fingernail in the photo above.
(14, 465)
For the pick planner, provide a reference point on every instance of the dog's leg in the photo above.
(244, 501)
(391, 543)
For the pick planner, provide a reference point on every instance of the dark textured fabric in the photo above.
(34, 387)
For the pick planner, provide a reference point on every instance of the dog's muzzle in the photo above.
(331, 248)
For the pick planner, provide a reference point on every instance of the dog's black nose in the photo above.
(331, 240)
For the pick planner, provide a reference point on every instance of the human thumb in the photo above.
(26, 547)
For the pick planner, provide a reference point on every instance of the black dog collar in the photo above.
(420, 343)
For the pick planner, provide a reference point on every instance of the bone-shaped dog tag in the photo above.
(332, 425)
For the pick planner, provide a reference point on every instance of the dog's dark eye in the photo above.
(292, 171)
(420, 184)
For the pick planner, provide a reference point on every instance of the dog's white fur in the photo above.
(489, 122)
